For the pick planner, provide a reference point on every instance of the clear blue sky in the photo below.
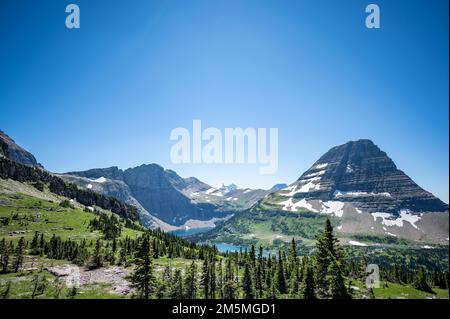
(111, 92)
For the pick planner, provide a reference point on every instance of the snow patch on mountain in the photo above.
(309, 187)
(99, 180)
(333, 208)
(338, 193)
(289, 205)
(405, 216)
(315, 174)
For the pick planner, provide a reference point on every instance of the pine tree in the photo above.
(337, 284)
(4, 256)
(190, 281)
(143, 279)
(308, 287)
(35, 242)
(292, 256)
(113, 251)
(205, 278)
(294, 283)
(220, 279)
(229, 287)
(97, 257)
(163, 288)
(327, 253)
(176, 287)
(247, 282)
(280, 279)
(212, 276)
(18, 261)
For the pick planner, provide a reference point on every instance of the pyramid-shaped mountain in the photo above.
(358, 171)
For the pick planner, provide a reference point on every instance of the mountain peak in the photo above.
(359, 171)
(16, 153)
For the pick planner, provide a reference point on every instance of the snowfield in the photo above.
(289, 205)
(98, 180)
(319, 173)
(338, 193)
(333, 208)
(405, 216)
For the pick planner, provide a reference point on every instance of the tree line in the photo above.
(208, 274)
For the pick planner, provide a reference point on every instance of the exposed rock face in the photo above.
(151, 187)
(163, 198)
(186, 185)
(360, 172)
(14, 152)
(360, 185)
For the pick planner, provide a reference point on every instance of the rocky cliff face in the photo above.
(164, 196)
(14, 152)
(151, 187)
(361, 186)
(159, 194)
(360, 172)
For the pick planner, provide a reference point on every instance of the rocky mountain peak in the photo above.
(360, 172)
(14, 152)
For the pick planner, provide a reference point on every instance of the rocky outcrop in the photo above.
(14, 152)
(151, 187)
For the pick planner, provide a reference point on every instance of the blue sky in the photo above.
(111, 92)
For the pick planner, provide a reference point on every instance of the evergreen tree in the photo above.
(280, 279)
(35, 242)
(163, 288)
(220, 279)
(247, 283)
(229, 287)
(337, 284)
(4, 256)
(190, 281)
(18, 261)
(205, 278)
(97, 257)
(176, 287)
(308, 287)
(327, 253)
(142, 278)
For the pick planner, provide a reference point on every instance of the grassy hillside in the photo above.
(21, 215)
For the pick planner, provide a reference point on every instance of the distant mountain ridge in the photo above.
(356, 184)
(168, 197)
